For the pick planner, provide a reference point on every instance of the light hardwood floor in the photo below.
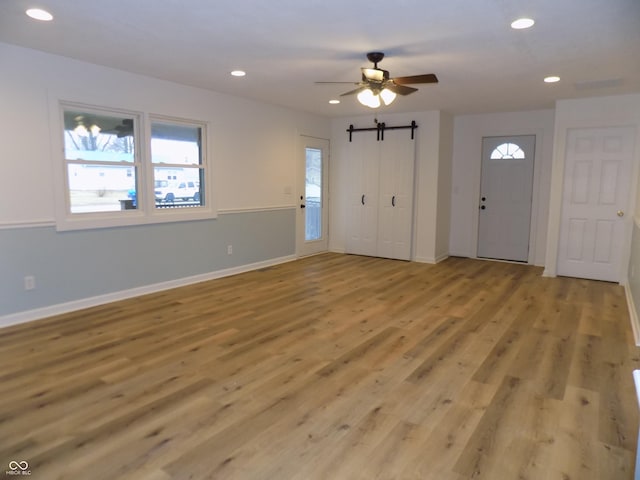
(331, 367)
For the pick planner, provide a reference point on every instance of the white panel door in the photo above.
(395, 220)
(598, 168)
(506, 189)
(362, 229)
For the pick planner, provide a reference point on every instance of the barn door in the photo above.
(395, 217)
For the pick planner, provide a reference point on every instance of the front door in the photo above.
(506, 189)
(312, 235)
(598, 168)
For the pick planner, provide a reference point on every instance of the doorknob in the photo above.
(482, 207)
(620, 213)
(303, 205)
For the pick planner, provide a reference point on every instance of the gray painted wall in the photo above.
(75, 265)
(634, 267)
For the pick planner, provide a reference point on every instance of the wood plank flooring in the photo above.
(331, 367)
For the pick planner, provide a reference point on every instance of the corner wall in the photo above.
(445, 172)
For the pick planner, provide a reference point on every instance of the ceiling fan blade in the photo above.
(400, 89)
(426, 78)
(352, 92)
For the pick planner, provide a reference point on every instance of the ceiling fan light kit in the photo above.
(387, 96)
(377, 88)
(369, 99)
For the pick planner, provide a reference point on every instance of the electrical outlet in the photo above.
(29, 282)
(229, 249)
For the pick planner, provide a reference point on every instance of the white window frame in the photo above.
(146, 211)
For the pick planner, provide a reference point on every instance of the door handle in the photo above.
(620, 213)
(362, 199)
(482, 207)
(393, 201)
(303, 206)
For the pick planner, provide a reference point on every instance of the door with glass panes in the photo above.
(312, 216)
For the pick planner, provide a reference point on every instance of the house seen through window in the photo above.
(176, 155)
(100, 155)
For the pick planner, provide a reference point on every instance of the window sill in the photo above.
(128, 218)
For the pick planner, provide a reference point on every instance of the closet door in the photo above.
(362, 229)
(395, 218)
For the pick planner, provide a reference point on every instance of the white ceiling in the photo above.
(286, 45)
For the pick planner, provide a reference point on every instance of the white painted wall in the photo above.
(253, 147)
(429, 192)
(426, 188)
(468, 132)
(254, 157)
(621, 110)
(433, 167)
(445, 172)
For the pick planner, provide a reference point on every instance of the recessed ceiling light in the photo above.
(39, 14)
(551, 79)
(238, 73)
(522, 23)
(334, 102)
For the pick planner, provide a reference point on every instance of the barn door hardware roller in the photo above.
(380, 128)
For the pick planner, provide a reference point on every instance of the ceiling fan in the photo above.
(376, 84)
(125, 129)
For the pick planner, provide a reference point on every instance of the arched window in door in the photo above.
(507, 151)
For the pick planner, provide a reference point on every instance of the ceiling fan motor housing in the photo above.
(375, 57)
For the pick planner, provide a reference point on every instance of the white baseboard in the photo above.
(431, 260)
(633, 314)
(442, 258)
(39, 313)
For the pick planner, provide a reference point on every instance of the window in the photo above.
(117, 172)
(507, 151)
(178, 171)
(100, 160)
(313, 194)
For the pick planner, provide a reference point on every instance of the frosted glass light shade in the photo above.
(368, 98)
(387, 96)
